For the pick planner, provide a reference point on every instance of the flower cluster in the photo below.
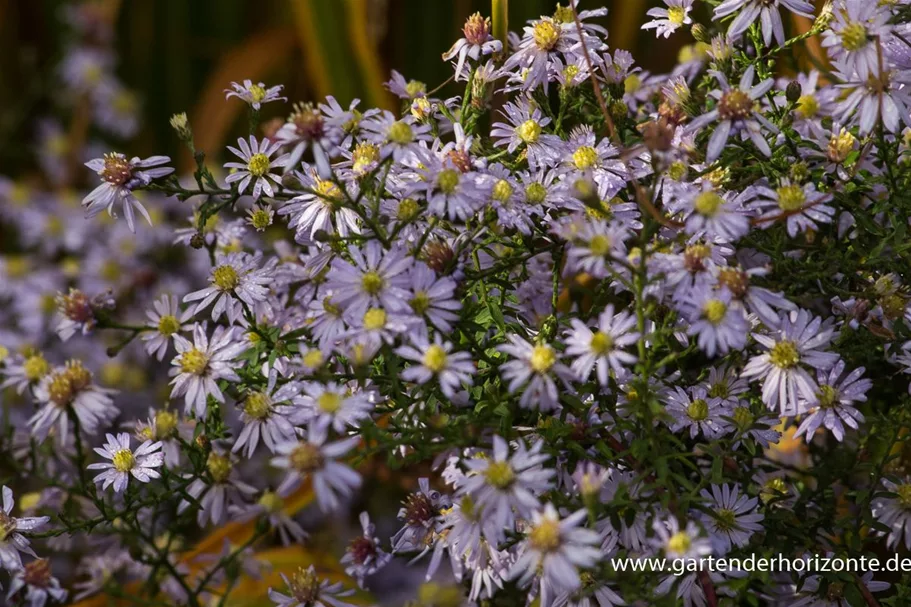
(582, 312)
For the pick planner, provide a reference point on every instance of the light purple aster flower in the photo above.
(666, 21)
(141, 464)
(801, 206)
(453, 370)
(799, 341)
(854, 35)
(525, 128)
(11, 541)
(257, 166)
(535, 367)
(120, 177)
(733, 519)
(718, 326)
(694, 410)
(255, 94)
(736, 110)
(602, 348)
(833, 406)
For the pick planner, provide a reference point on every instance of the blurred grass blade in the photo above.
(625, 18)
(367, 55)
(500, 18)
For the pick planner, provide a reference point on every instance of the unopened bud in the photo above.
(181, 125)
(198, 241)
(792, 93)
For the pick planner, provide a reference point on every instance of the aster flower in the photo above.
(11, 541)
(477, 41)
(68, 387)
(201, 363)
(332, 405)
(374, 277)
(397, 138)
(852, 35)
(833, 405)
(767, 11)
(677, 541)
(694, 410)
(799, 341)
(312, 457)
(883, 96)
(586, 156)
(433, 297)
(364, 556)
(505, 486)
(265, 417)
(39, 584)
(437, 360)
(306, 127)
(215, 493)
(420, 514)
(271, 506)
(535, 367)
(24, 370)
(802, 206)
(718, 326)
(321, 208)
(140, 464)
(120, 176)
(256, 167)
(594, 246)
(762, 302)
(602, 348)
(450, 191)
(525, 128)
(736, 110)
(667, 20)
(541, 41)
(166, 321)
(255, 94)
(554, 550)
(307, 590)
(894, 512)
(716, 213)
(733, 518)
(406, 89)
(235, 280)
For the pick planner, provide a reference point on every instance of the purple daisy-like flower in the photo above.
(833, 406)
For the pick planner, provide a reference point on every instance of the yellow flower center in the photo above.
(502, 191)
(601, 343)
(563, 14)
(194, 361)
(725, 519)
(599, 245)
(546, 34)
(676, 14)
(679, 543)
(542, 358)
(420, 303)
(585, 157)
(535, 193)
(306, 458)
(904, 496)
(743, 418)
(772, 489)
(854, 36)
(329, 402)
(415, 88)
(408, 209)
(677, 170)
(784, 354)
(807, 106)
(448, 180)
(219, 466)
(372, 283)
(257, 93)
(165, 423)
(714, 311)
(435, 358)
(631, 84)
(529, 131)
(258, 165)
(261, 218)
(123, 460)
(271, 501)
(374, 319)
(400, 133)
(708, 203)
(168, 325)
(35, 367)
(698, 410)
(790, 197)
(225, 277)
(258, 405)
(545, 536)
(313, 359)
(827, 396)
(364, 156)
(500, 474)
(840, 146)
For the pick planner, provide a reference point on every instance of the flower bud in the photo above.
(792, 93)
(700, 33)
